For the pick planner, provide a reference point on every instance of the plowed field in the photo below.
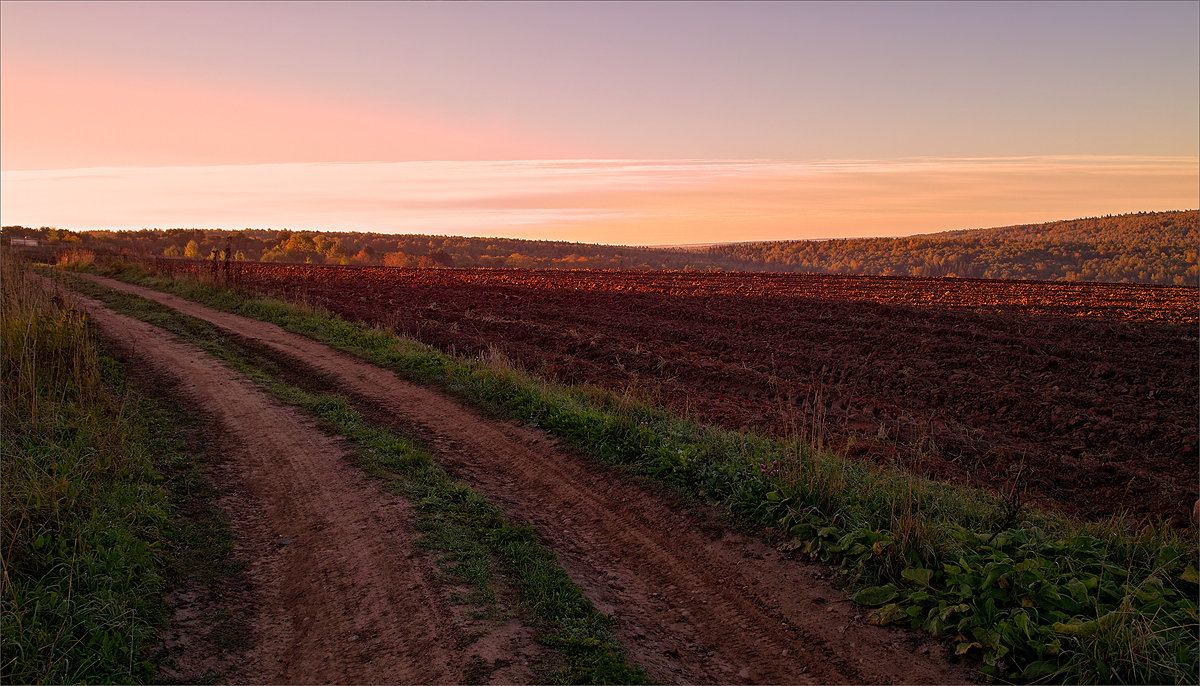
(1085, 394)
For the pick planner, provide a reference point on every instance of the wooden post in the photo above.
(228, 255)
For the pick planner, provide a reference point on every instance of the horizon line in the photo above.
(656, 246)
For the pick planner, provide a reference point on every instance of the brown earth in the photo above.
(694, 604)
(339, 591)
(1084, 394)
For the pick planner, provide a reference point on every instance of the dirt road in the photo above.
(695, 604)
(341, 592)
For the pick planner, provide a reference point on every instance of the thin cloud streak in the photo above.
(612, 201)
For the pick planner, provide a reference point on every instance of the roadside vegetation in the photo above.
(1033, 596)
(478, 545)
(82, 516)
(106, 505)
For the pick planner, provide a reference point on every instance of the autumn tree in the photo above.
(397, 259)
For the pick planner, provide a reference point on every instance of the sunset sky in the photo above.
(636, 123)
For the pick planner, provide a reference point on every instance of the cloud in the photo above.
(615, 201)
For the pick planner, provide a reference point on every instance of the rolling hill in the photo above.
(1146, 247)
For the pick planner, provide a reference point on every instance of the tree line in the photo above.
(1146, 247)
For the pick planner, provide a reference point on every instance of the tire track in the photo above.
(693, 607)
(341, 595)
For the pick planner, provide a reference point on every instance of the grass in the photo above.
(82, 515)
(474, 534)
(476, 540)
(198, 545)
(106, 505)
(1041, 599)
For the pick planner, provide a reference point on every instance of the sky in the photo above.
(635, 123)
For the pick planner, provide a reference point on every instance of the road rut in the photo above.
(341, 592)
(694, 604)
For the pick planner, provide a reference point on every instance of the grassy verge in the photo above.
(1036, 597)
(105, 504)
(82, 516)
(475, 538)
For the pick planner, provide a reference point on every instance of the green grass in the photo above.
(1041, 599)
(106, 502)
(476, 540)
(198, 545)
(83, 518)
(474, 533)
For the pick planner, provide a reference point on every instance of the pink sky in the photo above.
(59, 116)
(646, 123)
(610, 201)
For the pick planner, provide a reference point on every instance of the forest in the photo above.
(1145, 247)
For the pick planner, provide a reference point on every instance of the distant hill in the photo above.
(1143, 228)
(1147, 247)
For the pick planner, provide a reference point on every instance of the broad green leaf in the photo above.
(963, 647)
(804, 531)
(935, 625)
(918, 575)
(1078, 590)
(1075, 629)
(1054, 647)
(887, 614)
(1090, 627)
(953, 609)
(792, 544)
(876, 595)
(1040, 668)
(1021, 621)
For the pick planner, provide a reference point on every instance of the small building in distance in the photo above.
(31, 242)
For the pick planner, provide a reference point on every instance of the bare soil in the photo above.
(1084, 393)
(694, 603)
(338, 591)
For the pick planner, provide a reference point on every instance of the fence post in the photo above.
(228, 255)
